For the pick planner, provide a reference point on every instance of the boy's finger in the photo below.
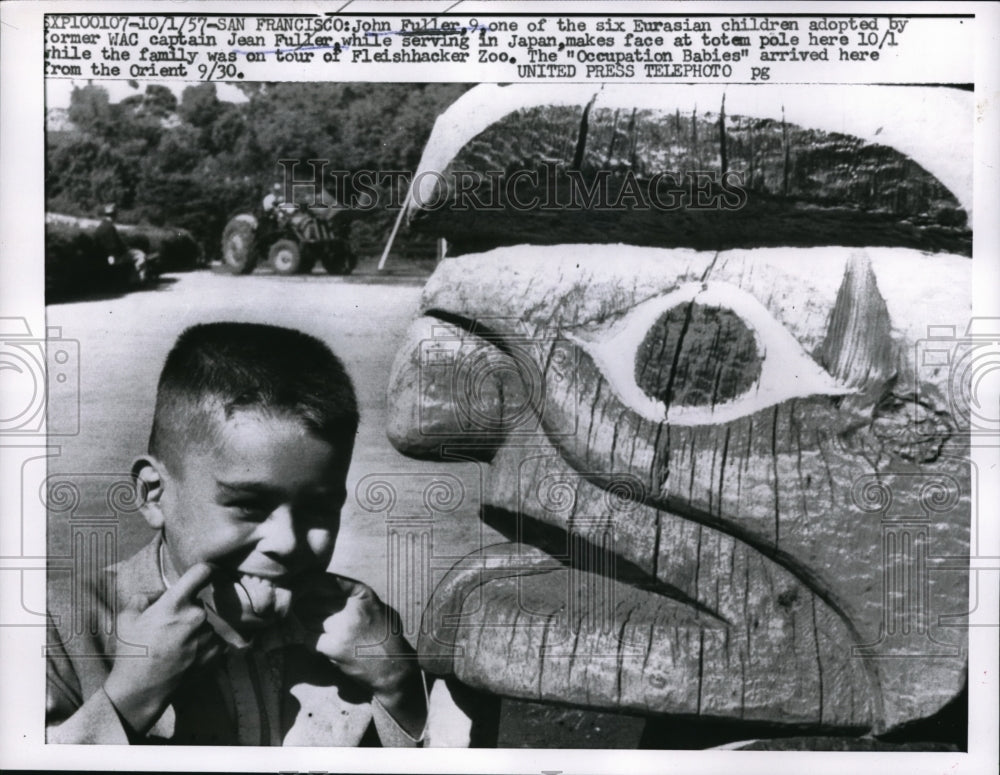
(221, 628)
(328, 647)
(313, 614)
(326, 589)
(349, 587)
(139, 602)
(183, 591)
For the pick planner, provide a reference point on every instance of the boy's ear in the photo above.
(149, 476)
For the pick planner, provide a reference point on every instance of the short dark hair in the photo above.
(225, 367)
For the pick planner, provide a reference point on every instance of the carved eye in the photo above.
(706, 353)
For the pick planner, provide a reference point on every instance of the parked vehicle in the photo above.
(77, 260)
(290, 238)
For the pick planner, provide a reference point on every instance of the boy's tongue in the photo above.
(247, 602)
(262, 599)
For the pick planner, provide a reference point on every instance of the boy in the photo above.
(229, 629)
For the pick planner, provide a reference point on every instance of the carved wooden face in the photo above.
(751, 431)
(745, 491)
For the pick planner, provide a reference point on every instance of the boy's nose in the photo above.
(279, 539)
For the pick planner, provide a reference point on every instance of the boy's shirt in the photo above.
(276, 692)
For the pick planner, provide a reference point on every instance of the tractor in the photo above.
(291, 238)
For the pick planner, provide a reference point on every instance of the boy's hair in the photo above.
(216, 369)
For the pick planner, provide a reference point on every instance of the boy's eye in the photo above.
(249, 509)
(318, 508)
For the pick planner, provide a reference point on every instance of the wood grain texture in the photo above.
(653, 177)
(789, 564)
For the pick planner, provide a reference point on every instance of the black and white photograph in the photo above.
(615, 389)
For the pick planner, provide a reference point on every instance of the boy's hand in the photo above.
(177, 637)
(345, 615)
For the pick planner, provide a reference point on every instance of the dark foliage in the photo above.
(193, 163)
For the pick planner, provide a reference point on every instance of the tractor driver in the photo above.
(273, 199)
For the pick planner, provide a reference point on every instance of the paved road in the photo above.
(124, 340)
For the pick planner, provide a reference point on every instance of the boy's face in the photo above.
(261, 503)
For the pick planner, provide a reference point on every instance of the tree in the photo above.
(90, 109)
(195, 161)
(159, 101)
(199, 105)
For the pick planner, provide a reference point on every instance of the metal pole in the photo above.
(388, 245)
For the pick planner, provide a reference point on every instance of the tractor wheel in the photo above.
(308, 262)
(310, 255)
(285, 256)
(237, 245)
(338, 259)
